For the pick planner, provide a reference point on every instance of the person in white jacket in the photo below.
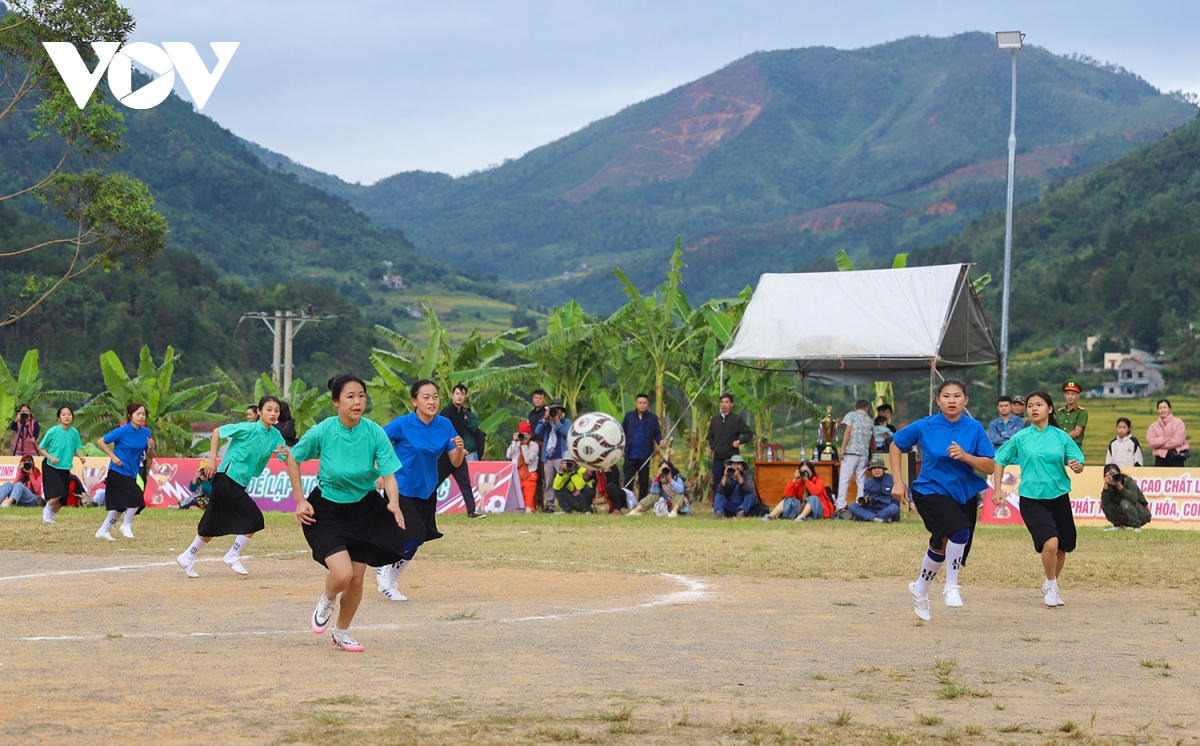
(1124, 450)
(523, 450)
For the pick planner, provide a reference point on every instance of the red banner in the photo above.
(492, 486)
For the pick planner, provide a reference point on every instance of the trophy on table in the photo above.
(828, 430)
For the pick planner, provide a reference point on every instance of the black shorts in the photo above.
(1048, 519)
(122, 493)
(944, 516)
(230, 511)
(56, 482)
(366, 529)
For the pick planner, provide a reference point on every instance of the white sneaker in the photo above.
(393, 594)
(1115, 528)
(920, 603)
(235, 564)
(951, 596)
(1137, 530)
(186, 563)
(49, 521)
(1050, 593)
(322, 614)
(344, 641)
(102, 534)
(126, 531)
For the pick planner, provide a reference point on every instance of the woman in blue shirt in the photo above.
(946, 493)
(420, 438)
(131, 444)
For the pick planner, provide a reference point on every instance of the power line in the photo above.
(284, 326)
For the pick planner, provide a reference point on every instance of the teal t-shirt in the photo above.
(250, 447)
(61, 444)
(1044, 455)
(351, 458)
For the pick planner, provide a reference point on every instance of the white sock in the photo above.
(391, 572)
(239, 543)
(47, 513)
(338, 630)
(194, 549)
(110, 521)
(129, 514)
(954, 555)
(929, 570)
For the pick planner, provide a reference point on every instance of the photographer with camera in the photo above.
(727, 433)
(667, 485)
(575, 487)
(25, 490)
(26, 431)
(524, 452)
(875, 501)
(804, 498)
(735, 494)
(552, 430)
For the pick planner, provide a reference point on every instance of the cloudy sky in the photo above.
(367, 88)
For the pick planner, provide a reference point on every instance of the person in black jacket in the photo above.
(466, 424)
(538, 398)
(642, 436)
(727, 433)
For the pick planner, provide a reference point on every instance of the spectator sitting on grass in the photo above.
(574, 487)
(1124, 450)
(1122, 501)
(25, 491)
(803, 497)
(735, 494)
(875, 501)
(667, 485)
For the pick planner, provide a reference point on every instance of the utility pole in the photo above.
(1012, 41)
(284, 326)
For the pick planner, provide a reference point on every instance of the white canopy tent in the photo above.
(868, 325)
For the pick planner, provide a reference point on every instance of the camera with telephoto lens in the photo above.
(863, 500)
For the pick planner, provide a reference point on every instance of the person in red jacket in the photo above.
(803, 498)
(26, 489)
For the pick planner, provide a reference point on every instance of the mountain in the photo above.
(775, 160)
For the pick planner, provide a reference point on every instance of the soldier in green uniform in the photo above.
(1072, 417)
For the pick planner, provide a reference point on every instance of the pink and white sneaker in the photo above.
(344, 641)
(322, 614)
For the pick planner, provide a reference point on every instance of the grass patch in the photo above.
(460, 616)
(1017, 728)
(973, 730)
(843, 719)
(929, 719)
(1161, 663)
(616, 716)
(554, 733)
(1029, 638)
(1068, 726)
(844, 603)
(820, 677)
(954, 691)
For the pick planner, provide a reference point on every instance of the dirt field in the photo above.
(114, 648)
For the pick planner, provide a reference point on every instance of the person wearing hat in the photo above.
(524, 452)
(1071, 417)
(727, 433)
(1018, 409)
(1007, 424)
(875, 501)
(735, 494)
(552, 430)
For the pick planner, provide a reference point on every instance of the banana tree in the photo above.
(26, 388)
(171, 406)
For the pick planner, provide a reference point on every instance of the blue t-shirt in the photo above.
(940, 474)
(418, 447)
(129, 444)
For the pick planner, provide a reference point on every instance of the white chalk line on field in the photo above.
(693, 591)
(146, 565)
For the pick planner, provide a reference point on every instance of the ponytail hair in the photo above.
(1044, 396)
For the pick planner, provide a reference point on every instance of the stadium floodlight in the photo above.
(1009, 39)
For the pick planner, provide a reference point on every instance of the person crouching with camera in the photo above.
(804, 498)
(667, 485)
(735, 494)
(875, 501)
(25, 491)
(575, 487)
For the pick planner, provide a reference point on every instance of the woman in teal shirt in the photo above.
(1043, 450)
(231, 511)
(59, 447)
(346, 522)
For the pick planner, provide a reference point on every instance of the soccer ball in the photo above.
(596, 440)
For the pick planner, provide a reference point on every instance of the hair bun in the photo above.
(329, 383)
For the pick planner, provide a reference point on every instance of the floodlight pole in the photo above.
(1008, 219)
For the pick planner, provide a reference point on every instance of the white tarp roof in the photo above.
(867, 325)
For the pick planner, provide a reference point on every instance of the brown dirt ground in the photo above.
(502, 655)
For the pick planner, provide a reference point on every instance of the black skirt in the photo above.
(55, 482)
(122, 492)
(943, 516)
(1048, 519)
(230, 511)
(366, 529)
(427, 510)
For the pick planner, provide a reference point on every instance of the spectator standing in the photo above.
(1018, 409)
(252, 413)
(803, 497)
(882, 434)
(25, 490)
(553, 427)
(856, 449)
(1122, 501)
(735, 495)
(727, 433)
(884, 410)
(642, 436)
(1124, 450)
(26, 431)
(1006, 425)
(286, 425)
(524, 452)
(466, 424)
(875, 501)
(1072, 418)
(1167, 437)
(538, 399)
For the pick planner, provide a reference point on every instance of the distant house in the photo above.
(393, 282)
(1136, 377)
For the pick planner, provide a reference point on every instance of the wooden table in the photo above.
(771, 477)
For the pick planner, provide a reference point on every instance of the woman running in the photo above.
(346, 522)
(1043, 450)
(231, 511)
(132, 443)
(420, 437)
(59, 447)
(953, 449)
